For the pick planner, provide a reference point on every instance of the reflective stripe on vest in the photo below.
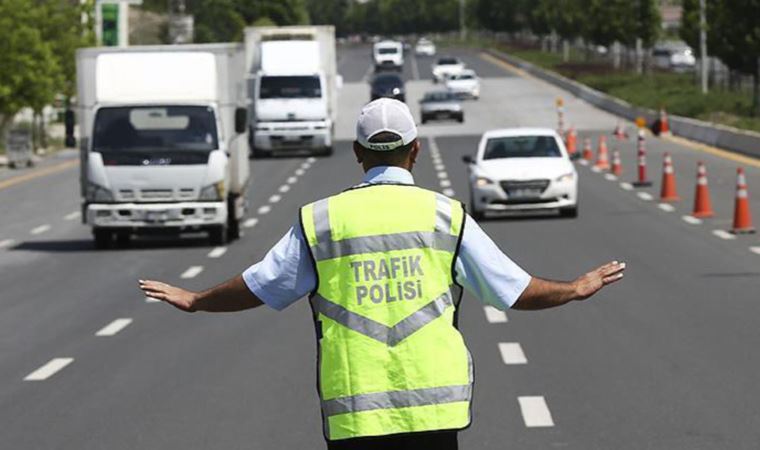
(397, 399)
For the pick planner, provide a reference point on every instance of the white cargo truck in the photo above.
(292, 87)
(163, 140)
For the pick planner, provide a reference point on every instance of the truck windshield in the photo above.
(155, 128)
(290, 87)
(387, 50)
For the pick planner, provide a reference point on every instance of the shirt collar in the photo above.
(388, 174)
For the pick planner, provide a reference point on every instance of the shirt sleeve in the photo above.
(286, 273)
(485, 271)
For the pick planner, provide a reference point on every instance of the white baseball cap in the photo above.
(385, 115)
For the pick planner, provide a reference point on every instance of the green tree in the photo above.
(218, 21)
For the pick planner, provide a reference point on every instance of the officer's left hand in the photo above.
(590, 283)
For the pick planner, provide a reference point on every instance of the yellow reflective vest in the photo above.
(391, 359)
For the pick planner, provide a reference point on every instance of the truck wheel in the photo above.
(233, 227)
(123, 239)
(218, 235)
(259, 154)
(460, 119)
(327, 151)
(102, 238)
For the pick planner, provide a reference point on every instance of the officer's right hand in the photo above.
(177, 297)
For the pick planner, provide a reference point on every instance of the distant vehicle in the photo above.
(293, 89)
(164, 145)
(522, 169)
(446, 67)
(465, 85)
(441, 105)
(388, 55)
(387, 85)
(424, 47)
(676, 56)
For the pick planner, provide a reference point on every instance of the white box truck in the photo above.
(293, 82)
(163, 140)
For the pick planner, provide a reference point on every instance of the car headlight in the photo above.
(570, 176)
(483, 181)
(97, 193)
(214, 192)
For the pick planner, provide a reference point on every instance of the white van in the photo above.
(388, 55)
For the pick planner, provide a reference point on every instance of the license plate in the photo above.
(293, 138)
(524, 193)
(156, 216)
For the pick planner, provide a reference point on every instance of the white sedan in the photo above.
(522, 169)
(464, 85)
(446, 67)
(424, 47)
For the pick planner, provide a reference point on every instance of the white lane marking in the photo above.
(191, 272)
(264, 209)
(494, 315)
(72, 215)
(6, 243)
(305, 166)
(49, 369)
(583, 162)
(442, 175)
(445, 183)
(292, 180)
(415, 69)
(626, 186)
(595, 169)
(755, 250)
(610, 176)
(217, 252)
(723, 234)
(368, 72)
(691, 219)
(250, 223)
(114, 327)
(439, 167)
(284, 188)
(512, 353)
(535, 412)
(645, 196)
(275, 198)
(152, 300)
(311, 160)
(666, 207)
(40, 229)
(448, 191)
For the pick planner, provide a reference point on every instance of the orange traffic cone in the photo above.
(742, 216)
(588, 154)
(643, 181)
(702, 204)
(620, 133)
(617, 166)
(668, 192)
(664, 124)
(602, 160)
(571, 141)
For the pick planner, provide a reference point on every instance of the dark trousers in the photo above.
(438, 440)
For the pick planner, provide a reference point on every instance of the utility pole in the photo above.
(462, 25)
(703, 43)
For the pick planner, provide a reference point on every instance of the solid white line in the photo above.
(71, 215)
(755, 250)
(442, 175)
(494, 315)
(448, 191)
(535, 412)
(300, 172)
(445, 183)
(49, 369)
(284, 188)
(40, 229)
(152, 300)
(645, 196)
(512, 353)
(691, 219)
(217, 252)
(275, 198)
(264, 209)
(191, 272)
(723, 234)
(666, 207)
(610, 176)
(6, 243)
(626, 186)
(114, 327)
(250, 223)
(292, 180)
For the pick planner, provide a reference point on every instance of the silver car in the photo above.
(441, 105)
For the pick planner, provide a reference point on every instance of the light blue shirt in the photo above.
(286, 273)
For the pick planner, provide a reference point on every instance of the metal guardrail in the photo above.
(729, 138)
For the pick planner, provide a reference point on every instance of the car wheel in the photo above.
(476, 214)
(569, 212)
(257, 153)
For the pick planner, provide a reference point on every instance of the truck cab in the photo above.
(388, 55)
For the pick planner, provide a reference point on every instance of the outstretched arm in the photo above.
(542, 294)
(232, 295)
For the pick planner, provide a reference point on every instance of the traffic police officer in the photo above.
(384, 264)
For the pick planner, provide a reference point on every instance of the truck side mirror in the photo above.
(68, 120)
(468, 159)
(241, 120)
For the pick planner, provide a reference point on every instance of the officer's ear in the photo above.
(359, 152)
(414, 151)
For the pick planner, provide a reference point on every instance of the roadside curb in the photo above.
(721, 136)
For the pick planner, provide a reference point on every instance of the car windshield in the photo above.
(447, 61)
(387, 50)
(464, 77)
(155, 129)
(306, 86)
(521, 147)
(387, 81)
(438, 97)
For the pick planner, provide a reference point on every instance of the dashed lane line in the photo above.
(217, 252)
(191, 272)
(6, 243)
(667, 207)
(512, 353)
(72, 215)
(264, 209)
(723, 234)
(40, 229)
(646, 196)
(114, 327)
(275, 198)
(691, 220)
(250, 223)
(292, 180)
(755, 249)
(449, 192)
(535, 411)
(610, 177)
(445, 183)
(284, 188)
(300, 172)
(626, 186)
(311, 160)
(494, 315)
(442, 175)
(49, 369)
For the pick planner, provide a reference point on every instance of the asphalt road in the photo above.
(666, 359)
